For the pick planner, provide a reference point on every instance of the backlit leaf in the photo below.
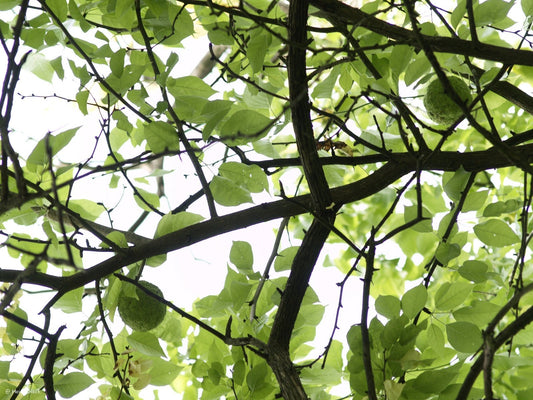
(241, 256)
(243, 127)
(72, 383)
(414, 300)
(495, 232)
(145, 343)
(450, 295)
(464, 336)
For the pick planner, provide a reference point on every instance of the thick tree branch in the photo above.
(377, 181)
(354, 16)
(300, 110)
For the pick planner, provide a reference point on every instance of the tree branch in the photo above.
(377, 181)
(354, 16)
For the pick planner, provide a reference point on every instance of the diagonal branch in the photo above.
(377, 181)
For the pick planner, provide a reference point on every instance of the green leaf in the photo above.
(174, 222)
(411, 213)
(284, 259)
(502, 207)
(40, 67)
(435, 381)
(388, 306)
(257, 49)
(527, 7)
(189, 86)
(227, 193)
(4, 370)
(59, 8)
(214, 112)
(243, 127)
(71, 302)
(464, 336)
(491, 11)
(241, 256)
(475, 200)
(146, 343)
(256, 380)
(236, 182)
(475, 271)
(178, 28)
(417, 67)
(15, 330)
(250, 177)
(455, 183)
(435, 336)
(414, 300)
(81, 98)
(393, 390)
(447, 252)
(161, 136)
(324, 89)
(495, 232)
(57, 65)
(458, 13)
(354, 339)
(116, 63)
(450, 295)
(151, 198)
(479, 313)
(71, 384)
(40, 157)
(8, 4)
(402, 56)
(163, 372)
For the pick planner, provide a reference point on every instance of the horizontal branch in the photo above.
(441, 161)
(354, 16)
(383, 177)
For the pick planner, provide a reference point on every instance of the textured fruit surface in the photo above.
(439, 106)
(137, 309)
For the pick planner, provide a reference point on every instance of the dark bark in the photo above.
(377, 181)
(350, 15)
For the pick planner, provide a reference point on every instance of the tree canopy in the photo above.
(134, 129)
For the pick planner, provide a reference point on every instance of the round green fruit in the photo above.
(137, 309)
(439, 106)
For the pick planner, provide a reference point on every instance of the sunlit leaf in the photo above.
(451, 295)
(495, 232)
(145, 343)
(70, 384)
(189, 86)
(174, 222)
(464, 336)
(388, 306)
(474, 270)
(49, 147)
(161, 136)
(414, 300)
(284, 259)
(241, 256)
(243, 127)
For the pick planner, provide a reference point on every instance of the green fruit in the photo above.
(137, 309)
(439, 106)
